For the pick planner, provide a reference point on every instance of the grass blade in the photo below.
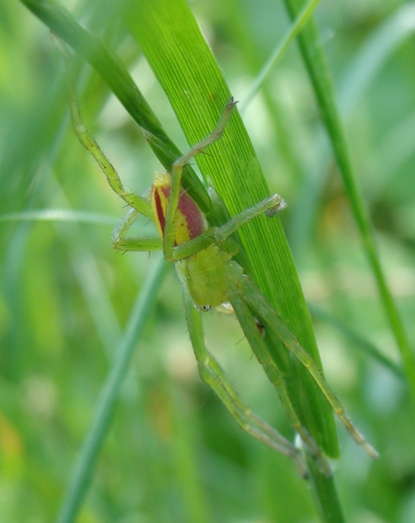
(182, 62)
(281, 48)
(315, 61)
(84, 468)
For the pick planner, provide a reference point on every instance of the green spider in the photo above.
(210, 277)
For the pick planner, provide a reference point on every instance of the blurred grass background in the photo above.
(173, 453)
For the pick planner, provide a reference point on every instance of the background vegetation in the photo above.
(173, 453)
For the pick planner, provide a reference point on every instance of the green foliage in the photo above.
(172, 453)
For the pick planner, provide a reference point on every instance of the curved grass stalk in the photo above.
(315, 61)
(279, 52)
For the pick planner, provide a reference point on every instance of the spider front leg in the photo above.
(140, 204)
(122, 242)
(176, 175)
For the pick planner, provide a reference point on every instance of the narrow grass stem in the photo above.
(315, 61)
(279, 52)
(85, 465)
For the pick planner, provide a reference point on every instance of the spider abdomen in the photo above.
(204, 276)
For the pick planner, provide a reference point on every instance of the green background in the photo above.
(173, 453)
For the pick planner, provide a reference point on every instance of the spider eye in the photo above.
(203, 308)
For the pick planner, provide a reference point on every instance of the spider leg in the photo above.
(137, 202)
(253, 334)
(122, 242)
(177, 172)
(214, 376)
(139, 205)
(273, 321)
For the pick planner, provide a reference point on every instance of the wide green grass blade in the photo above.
(191, 78)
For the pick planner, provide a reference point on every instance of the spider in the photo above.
(210, 277)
